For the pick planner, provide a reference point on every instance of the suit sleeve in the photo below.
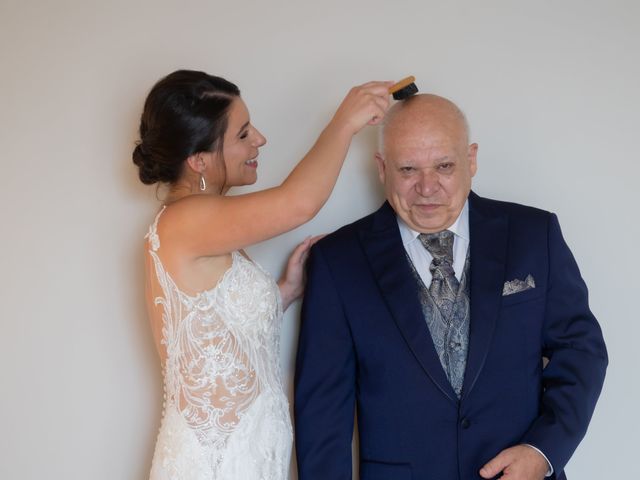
(324, 380)
(573, 343)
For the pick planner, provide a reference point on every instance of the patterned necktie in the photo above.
(452, 338)
(444, 284)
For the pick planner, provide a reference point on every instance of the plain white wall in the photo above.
(551, 92)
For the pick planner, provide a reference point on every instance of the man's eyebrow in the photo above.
(411, 162)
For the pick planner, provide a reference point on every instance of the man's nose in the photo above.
(428, 183)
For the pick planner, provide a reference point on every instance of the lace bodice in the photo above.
(221, 376)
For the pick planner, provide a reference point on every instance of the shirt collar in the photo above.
(460, 227)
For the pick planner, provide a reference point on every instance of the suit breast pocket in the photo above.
(521, 297)
(384, 471)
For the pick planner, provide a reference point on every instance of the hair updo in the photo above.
(186, 112)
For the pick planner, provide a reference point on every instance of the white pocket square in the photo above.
(517, 286)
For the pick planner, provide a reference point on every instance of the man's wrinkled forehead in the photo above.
(424, 117)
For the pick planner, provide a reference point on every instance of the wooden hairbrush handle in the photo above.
(401, 84)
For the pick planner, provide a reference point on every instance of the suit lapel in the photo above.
(386, 254)
(488, 231)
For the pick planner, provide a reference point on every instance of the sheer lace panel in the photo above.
(220, 352)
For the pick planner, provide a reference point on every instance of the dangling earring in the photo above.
(203, 184)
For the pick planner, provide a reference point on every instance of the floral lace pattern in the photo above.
(225, 414)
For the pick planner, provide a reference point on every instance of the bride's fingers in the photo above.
(377, 87)
(381, 104)
(312, 242)
(315, 238)
(299, 251)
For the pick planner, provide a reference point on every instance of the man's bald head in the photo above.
(425, 161)
(422, 110)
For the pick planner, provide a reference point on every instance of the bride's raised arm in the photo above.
(210, 225)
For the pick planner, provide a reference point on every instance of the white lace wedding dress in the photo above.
(225, 416)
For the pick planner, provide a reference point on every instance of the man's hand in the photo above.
(517, 463)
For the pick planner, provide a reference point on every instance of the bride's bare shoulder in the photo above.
(183, 221)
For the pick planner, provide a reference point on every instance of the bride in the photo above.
(215, 314)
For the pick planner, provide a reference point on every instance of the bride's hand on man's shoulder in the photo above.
(291, 282)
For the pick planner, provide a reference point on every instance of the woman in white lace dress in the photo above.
(215, 314)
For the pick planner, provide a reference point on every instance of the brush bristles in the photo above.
(405, 92)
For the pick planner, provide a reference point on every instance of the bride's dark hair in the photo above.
(186, 112)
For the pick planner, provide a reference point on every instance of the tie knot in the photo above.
(439, 245)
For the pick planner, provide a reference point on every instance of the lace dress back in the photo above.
(225, 415)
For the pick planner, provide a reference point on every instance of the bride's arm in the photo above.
(208, 225)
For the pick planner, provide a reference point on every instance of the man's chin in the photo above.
(429, 224)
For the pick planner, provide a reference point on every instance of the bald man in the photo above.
(433, 315)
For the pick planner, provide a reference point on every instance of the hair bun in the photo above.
(147, 168)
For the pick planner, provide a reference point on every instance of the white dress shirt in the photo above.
(421, 259)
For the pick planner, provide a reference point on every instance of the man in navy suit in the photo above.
(431, 317)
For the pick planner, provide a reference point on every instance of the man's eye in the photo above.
(445, 166)
(406, 169)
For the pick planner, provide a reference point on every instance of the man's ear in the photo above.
(381, 167)
(472, 155)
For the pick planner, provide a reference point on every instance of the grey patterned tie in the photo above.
(444, 284)
(451, 339)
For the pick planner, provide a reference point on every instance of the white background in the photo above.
(550, 89)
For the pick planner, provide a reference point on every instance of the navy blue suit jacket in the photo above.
(364, 342)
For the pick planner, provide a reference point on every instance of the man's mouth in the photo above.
(428, 206)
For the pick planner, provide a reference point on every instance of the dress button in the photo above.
(465, 423)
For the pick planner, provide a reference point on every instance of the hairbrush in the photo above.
(404, 88)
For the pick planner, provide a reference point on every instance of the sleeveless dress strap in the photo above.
(152, 234)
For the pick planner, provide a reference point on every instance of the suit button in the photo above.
(465, 423)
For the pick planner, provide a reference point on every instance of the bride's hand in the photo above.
(291, 282)
(364, 105)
